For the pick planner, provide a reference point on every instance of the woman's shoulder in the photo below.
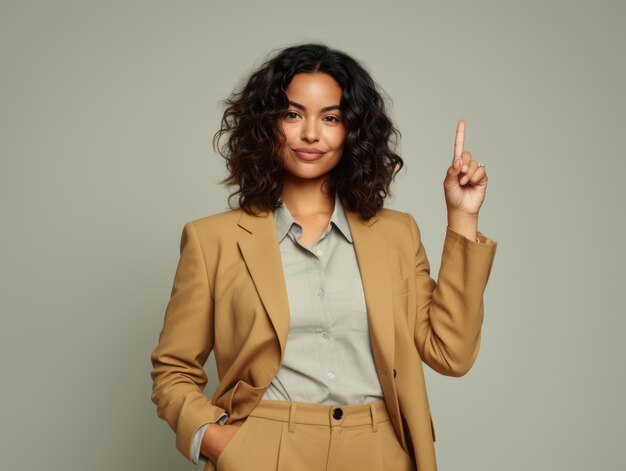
(217, 223)
(394, 218)
(400, 226)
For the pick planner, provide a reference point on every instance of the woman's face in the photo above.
(312, 123)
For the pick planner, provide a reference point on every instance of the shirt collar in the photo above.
(284, 220)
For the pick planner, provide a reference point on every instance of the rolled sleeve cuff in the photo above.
(197, 439)
(480, 237)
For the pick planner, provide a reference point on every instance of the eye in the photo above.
(333, 119)
(291, 115)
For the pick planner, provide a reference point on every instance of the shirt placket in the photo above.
(325, 338)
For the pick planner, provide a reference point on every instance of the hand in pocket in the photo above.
(215, 438)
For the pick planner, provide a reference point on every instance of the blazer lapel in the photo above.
(261, 253)
(371, 249)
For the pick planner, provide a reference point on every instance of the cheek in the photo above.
(287, 141)
(288, 130)
(337, 139)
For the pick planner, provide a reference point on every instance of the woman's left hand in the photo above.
(465, 183)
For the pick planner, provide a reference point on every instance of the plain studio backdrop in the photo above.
(108, 110)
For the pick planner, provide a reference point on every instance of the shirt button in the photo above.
(324, 334)
(331, 375)
(319, 292)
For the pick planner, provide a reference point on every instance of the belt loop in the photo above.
(374, 419)
(292, 417)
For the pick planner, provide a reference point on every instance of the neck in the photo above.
(305, 197)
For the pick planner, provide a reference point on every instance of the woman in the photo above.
(316, 300)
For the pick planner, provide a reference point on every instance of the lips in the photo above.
(308, 154)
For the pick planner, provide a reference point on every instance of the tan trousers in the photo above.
(305, 436)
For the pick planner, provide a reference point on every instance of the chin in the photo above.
(305, 175)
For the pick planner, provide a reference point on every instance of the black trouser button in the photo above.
(338, 413)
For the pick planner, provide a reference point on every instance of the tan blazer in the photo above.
(229, 295)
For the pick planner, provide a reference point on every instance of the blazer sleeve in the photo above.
(450, 311)
(185, 342)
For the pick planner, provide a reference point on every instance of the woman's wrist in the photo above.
(208, 439)
(464, 224)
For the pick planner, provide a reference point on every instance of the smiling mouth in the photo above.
(309, 155)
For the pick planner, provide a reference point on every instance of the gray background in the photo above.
(108, 109)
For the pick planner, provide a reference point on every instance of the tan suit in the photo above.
(229, 285)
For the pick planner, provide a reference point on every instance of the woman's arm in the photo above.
(449, 312)
(185, 342)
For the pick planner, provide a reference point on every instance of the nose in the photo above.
(310, 132)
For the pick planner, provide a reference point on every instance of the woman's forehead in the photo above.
(315, 88)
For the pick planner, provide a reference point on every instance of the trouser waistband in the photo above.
(323, 414)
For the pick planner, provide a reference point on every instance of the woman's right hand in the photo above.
(215, 438)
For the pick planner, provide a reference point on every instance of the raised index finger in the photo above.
(459, 141)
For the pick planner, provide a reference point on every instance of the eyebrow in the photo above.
(303, 108)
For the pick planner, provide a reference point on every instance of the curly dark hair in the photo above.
(368, 165)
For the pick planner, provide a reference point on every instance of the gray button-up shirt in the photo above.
(328, 358)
